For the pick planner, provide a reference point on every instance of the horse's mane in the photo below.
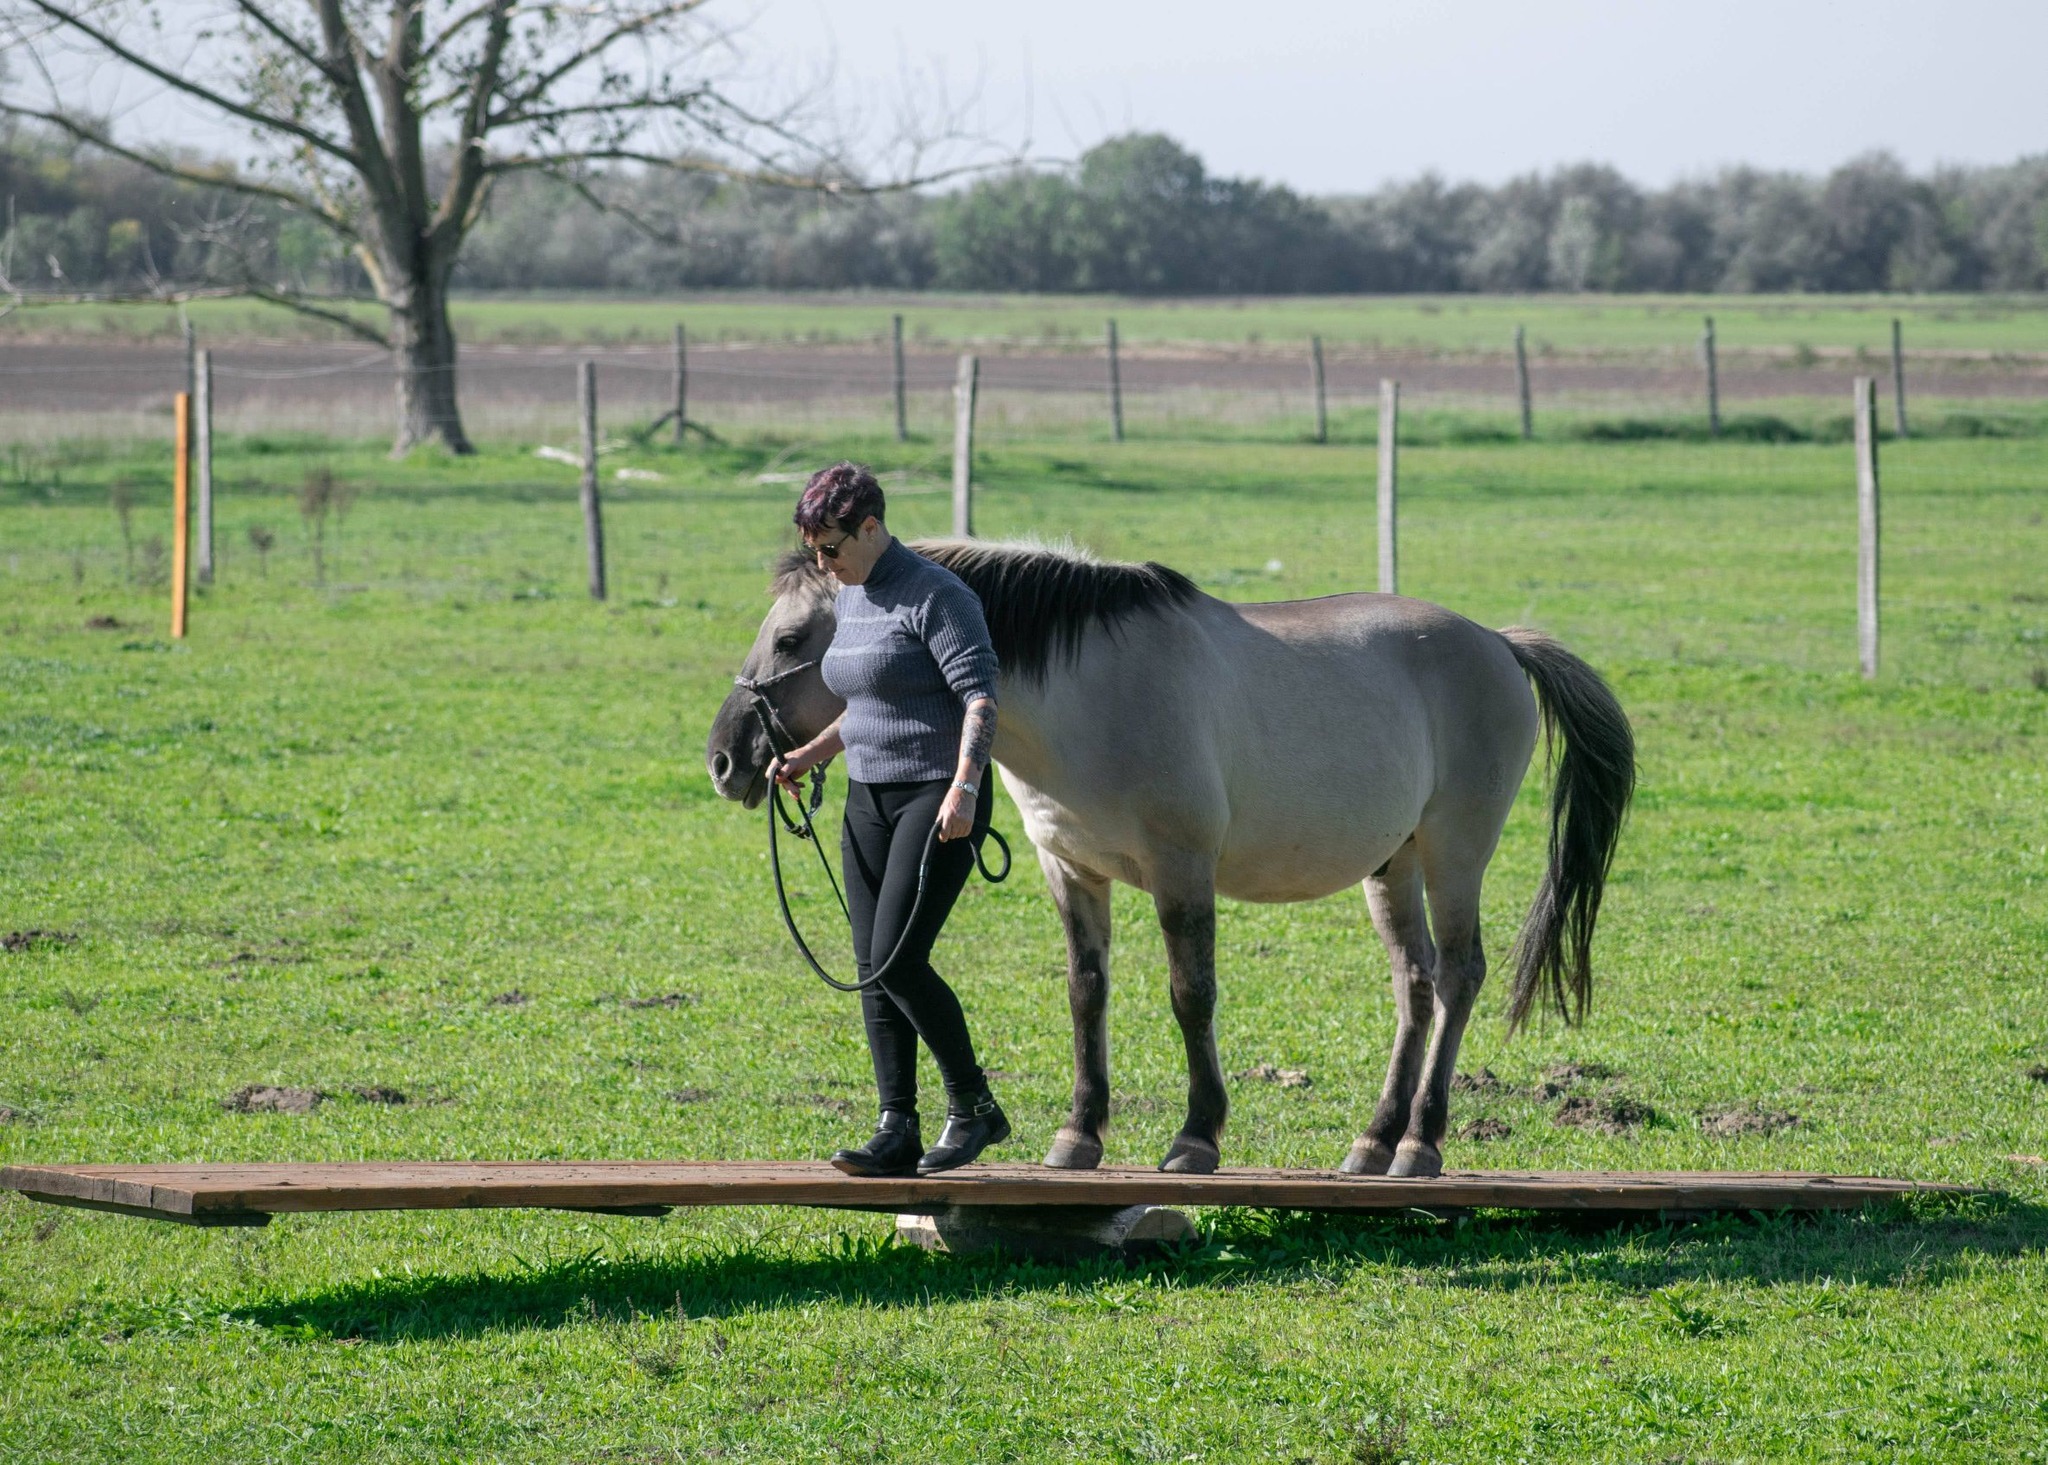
(1039, 599)
(797, 573)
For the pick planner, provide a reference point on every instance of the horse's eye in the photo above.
(788, 643)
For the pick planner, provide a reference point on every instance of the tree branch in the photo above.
(185, 84)
(540, 84)
(227, 182)
(307, 308)
(459, 200)
(297, 47)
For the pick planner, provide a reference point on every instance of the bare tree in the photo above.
(387, 121)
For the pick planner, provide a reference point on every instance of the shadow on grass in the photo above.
(1915, 1244)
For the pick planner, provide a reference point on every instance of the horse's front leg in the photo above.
(1187, 915)
(1083, 901)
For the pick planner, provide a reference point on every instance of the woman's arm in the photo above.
(977, 741)
(823, 748)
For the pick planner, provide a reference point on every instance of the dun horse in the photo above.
(1193, 747)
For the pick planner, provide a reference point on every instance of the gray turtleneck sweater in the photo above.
(911, 651)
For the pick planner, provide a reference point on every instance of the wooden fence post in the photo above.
(203, 450)
(1522, 385)
(181, 511)
(593, 514)
(682, 384)
(1866, 525)
(1713, 380)
(1315, 356)
(1898, 377)
(1390, 419)
(1116, 388)
(965, 388)
(902, 413)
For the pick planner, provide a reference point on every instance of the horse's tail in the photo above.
(1594, 778)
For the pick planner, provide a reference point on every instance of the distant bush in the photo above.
(1137, 214)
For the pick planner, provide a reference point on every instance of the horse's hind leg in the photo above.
(1187, 916)
(1460, 971)
(1083, 901)
(1394, 896)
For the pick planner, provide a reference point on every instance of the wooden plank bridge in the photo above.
(249, 1195)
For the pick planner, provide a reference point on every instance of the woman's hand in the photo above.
(789, 768)
(956, 814)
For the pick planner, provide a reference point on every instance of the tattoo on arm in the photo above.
(978, 733)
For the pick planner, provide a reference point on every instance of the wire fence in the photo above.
(51, 391)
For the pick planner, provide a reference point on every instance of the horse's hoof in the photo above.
(1191, 1156)
(1415, 1160)
(1368, 1157)
(1072, 1150)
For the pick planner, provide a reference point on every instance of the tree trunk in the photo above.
(423, 367)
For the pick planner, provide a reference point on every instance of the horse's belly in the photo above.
(1101, 842)
(1307, 864)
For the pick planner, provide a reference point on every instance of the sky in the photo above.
(1335, 97)
(1341, 96)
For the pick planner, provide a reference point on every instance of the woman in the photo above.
(912, 659)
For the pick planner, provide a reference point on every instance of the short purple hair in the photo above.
(839, 497)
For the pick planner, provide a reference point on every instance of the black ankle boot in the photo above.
(893, 1151)
(973, 1123)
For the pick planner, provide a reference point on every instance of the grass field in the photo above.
(1779, 324)
(439, 823)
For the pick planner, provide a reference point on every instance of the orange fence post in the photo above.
(181, 518)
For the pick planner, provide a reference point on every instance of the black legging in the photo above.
(880, 846)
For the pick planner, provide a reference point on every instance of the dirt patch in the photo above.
(37, 940)
(2038, 1073)
(378, 1093)
(1602, 1114)
(830, 1103)
(688, 1096)
(105, 623)
(513, 998)
(666, 999)
(1571, 1073)
(1287, 1078)
(1745, 1119)
(263, 1098)
(1482, 1082)
(1485, 1129)
(10, 1115)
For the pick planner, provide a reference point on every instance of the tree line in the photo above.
(1137, 214)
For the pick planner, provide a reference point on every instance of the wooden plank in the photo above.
(196, 1192)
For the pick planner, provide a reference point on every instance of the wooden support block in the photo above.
(1049, 1233)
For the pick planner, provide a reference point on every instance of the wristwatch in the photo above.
(965, 787)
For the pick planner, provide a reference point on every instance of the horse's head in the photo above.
(783, 666)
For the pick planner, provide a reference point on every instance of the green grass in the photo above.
(314, 842)
(1453, 323)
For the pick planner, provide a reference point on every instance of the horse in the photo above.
(1281, 751)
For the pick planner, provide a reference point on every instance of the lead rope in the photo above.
(781, 742)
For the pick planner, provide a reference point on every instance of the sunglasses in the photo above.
(829, 551)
